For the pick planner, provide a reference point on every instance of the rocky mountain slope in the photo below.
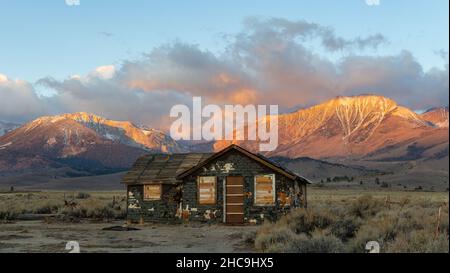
(438, 116)
(127, 133)
(84, 142)
(364, 126)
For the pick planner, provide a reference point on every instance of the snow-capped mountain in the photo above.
(126, 132)
(360, 126)
(354, 128)
(81, 141)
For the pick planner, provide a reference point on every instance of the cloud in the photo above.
(303, 30)
(3, 78)
(18, 100)
(104, 72)
(266, 63)
(400, 77)
(107, 97)
(186, 69)
(442, 53)
(269, 62)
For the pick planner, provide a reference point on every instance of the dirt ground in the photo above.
(38, 236)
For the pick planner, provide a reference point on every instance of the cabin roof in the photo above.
(257, 157)
(172, 168)
(162, 168)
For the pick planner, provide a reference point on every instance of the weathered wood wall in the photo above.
(236, 164)
(162, 210)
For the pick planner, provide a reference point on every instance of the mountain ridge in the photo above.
(344, 127)
(369, 131)
(438, 116)
(82, 141)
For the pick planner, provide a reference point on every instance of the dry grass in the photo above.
(65, 205)
(345, 220)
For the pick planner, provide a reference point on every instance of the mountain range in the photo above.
(369, 131)
(84, 142)
(369, 127)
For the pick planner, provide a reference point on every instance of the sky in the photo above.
(134, 59)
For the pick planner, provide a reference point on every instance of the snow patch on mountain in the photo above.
(4, 146)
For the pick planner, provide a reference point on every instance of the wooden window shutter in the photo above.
(152, 192)
(265, 190)
(207, 190)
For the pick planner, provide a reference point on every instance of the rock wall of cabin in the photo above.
(163, 210)
(236, 164)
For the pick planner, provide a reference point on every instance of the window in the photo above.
(152, 192)
(207, 190)
(265, 190)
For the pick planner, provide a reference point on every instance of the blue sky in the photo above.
(50, 38)
(133, 60)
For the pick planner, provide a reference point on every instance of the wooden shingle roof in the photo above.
(172, 168)
(257, 157)
(162, 168)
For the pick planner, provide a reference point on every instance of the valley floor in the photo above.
(52, 235)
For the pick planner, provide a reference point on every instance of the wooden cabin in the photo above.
(233, 186)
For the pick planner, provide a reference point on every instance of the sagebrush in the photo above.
(408, 224)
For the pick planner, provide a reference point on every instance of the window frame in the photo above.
(198, 191)
(272, 175)
(152, 199)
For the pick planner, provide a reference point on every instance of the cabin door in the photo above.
(234, 200)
